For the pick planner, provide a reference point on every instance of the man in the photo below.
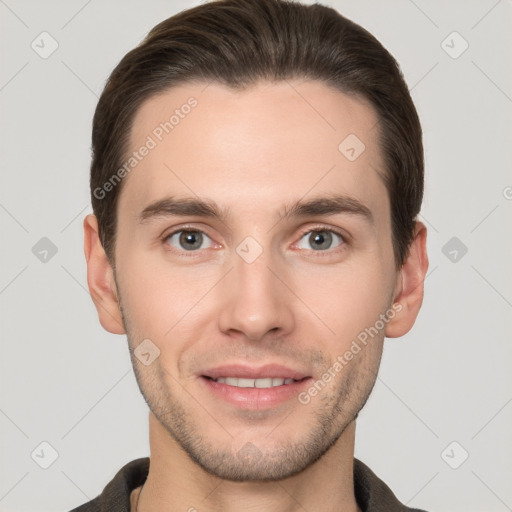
(256, 177)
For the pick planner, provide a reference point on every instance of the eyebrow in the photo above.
(206, 208)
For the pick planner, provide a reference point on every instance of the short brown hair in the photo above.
(239, 43)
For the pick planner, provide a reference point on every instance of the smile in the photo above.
(254, 383)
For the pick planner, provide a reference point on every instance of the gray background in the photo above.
(67, 382)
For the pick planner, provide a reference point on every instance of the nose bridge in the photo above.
(255, 301)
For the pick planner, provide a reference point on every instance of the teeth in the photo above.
(253, 383)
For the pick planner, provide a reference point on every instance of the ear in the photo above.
(100, 279)
(409, 287)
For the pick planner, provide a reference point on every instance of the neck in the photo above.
(175, 482)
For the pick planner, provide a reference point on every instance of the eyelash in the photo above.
(320, 228)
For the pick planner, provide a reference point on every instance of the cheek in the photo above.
(349, 299)
(160, 297)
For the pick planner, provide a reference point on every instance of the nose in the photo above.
(255, 300)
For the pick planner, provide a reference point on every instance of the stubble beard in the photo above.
(273, 460)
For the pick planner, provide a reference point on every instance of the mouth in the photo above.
(264, 383)
(254, 388)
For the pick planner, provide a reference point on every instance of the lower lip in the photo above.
(256, 398)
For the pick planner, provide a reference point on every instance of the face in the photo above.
(277, 277)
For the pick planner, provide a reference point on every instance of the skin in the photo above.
(254, 152)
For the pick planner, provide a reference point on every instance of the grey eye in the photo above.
(188, 240)
(320, 240)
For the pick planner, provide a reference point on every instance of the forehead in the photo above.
(256, 148)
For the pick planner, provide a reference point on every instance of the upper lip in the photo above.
(251, 372)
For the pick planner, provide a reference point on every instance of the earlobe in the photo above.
(409, 292)
(100, 279)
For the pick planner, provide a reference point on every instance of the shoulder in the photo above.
(373, 495)
(116, 495)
